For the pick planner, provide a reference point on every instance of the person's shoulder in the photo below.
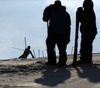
(67, 13)
(27, 50)
(64, 9)
(50, 6)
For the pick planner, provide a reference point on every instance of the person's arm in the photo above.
(68, 28)
(47, 13)
(32, 54)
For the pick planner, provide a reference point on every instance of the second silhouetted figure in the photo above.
(88, 31)
(58, 21)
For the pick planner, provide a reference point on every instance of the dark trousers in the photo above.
(86, 49)
(61, 42)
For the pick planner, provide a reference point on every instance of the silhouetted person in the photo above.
(88, 31)
(26, 53)
(58, 32)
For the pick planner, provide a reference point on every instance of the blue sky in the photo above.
(23, 18)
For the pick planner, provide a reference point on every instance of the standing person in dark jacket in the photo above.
(88, 31)
(58, 32)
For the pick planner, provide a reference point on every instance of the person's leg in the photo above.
(89, 50)
(50, 43)
(21, 56)
(83, 49)
(62, 51)
(86, 50)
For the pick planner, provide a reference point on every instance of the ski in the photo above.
(78, 15)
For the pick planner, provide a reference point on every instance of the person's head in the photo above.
(28, 47)
(88, 4)
(57, 3)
